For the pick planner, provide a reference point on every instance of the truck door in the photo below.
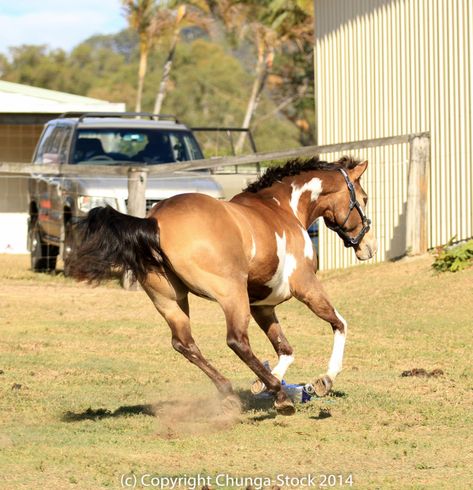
(48, 190)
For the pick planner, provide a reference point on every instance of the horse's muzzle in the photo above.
(367, 248)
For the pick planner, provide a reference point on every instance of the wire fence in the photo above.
(62, 192)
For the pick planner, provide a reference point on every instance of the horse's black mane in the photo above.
(297, 166)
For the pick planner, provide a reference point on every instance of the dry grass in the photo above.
(91, 389)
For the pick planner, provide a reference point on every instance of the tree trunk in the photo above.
(166, 72)
(141, 77)
(262, 67)
(216, 30)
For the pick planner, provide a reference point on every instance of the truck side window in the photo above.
(65, 143)
(54, 152)
(44, 145)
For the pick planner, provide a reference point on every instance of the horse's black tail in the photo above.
(109, 242)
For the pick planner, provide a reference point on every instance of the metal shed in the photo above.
(395, 67)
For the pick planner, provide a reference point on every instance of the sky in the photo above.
(57, 23)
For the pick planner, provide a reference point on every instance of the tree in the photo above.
(208, 85)
(35, 65)
(292, 78)
(140, 14)
(281, 33)
(265, 42)
(173, 20)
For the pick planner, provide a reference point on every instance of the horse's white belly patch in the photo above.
(279, 283)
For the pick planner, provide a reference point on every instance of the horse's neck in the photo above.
(301, 195)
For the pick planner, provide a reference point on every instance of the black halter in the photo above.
(354, 204)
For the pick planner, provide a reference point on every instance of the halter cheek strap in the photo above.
(354, 204)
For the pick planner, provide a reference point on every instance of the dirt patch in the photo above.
(193, 416)
(422, 373)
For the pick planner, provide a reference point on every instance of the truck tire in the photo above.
(68, 247)
(43, 256)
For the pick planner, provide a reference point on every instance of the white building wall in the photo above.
(392, 67)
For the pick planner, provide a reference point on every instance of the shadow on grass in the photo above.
(264, 406)
(249, 403)
(324, 413)
(337, 394)
(103, 413)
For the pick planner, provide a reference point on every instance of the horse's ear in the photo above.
(359, 170)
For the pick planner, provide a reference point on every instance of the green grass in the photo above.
(102, 392)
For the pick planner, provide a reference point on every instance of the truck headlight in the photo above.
(86, 203)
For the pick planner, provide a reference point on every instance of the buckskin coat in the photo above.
(249, 255)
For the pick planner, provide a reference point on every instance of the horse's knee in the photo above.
(178, 345)
(339, 324)
(238, 344)
(284, 349)
(189, 350)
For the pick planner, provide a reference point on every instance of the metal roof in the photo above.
(18, 98)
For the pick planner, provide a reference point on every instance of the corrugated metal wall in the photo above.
(392, 67)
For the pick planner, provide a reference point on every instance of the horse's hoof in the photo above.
(323, 385)
(231, 404)
(285, 407)
(309, 389)
(257, 387)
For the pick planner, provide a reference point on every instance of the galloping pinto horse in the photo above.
(249, 254)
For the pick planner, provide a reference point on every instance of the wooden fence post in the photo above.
(136, 206)
(417, 190)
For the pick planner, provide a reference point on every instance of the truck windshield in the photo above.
(146, 146)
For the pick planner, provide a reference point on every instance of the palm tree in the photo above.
(173, 20)
(265, 42)
(272, 25)
(140, 15)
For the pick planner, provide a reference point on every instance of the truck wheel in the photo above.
(68, 247)
(43, 256)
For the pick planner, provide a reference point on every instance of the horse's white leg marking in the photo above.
(281, 367)
(336, 359)
(308, 247)
(313, 185)
(279, 283)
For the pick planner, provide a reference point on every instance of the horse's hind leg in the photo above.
(307, 288)
(266, 318)
(170, 299)
(237, 313)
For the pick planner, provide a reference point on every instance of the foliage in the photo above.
(211, 79)
(276, 36)
(140, 15)
(209, 87)
(453, 258)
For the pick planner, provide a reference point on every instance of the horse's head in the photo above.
(346, 212)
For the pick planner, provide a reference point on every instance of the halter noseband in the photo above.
(354, 204)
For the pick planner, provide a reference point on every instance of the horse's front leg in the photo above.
(307, 289)
(267, 320)
(237, 313)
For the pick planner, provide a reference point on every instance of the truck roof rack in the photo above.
(83, 115)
